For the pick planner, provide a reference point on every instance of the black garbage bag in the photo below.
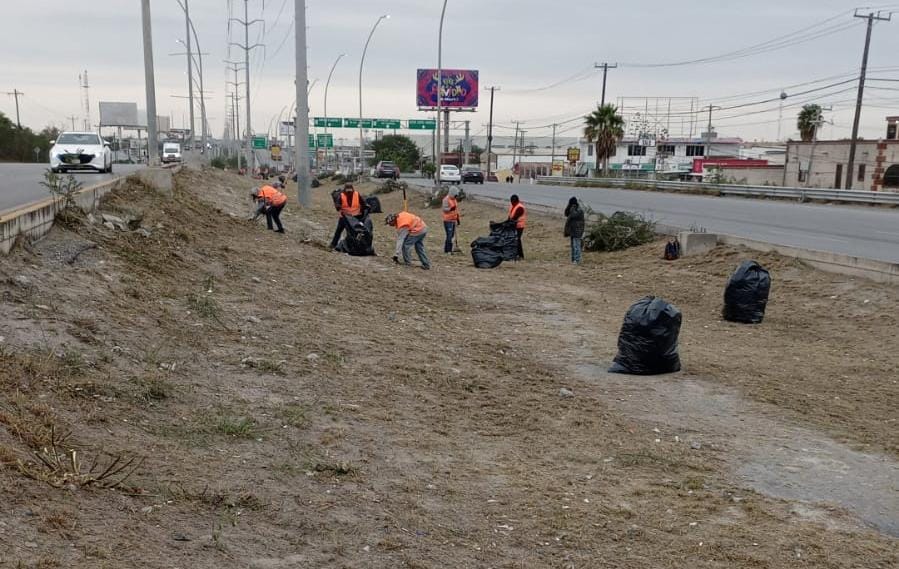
(507, 238)
(746, 294)
(359, 237)
(647, 344)
(374, 204)
(486, 252)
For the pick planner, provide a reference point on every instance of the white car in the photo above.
(80, 151)
(450, 174)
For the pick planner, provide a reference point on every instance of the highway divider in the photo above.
(35, 220)
(775, 192)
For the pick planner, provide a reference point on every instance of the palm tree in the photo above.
(808, 121)
(604, 127)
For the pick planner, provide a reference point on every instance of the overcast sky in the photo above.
(521, 46)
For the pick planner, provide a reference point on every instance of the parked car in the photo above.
(450, 174)
(171, 152)
(80, 151)
(472, 175)
(387, 169)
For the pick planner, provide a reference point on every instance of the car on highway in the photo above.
(171, 152)
(450, 174)
(472, 175)
(387, 169)
(80, 151)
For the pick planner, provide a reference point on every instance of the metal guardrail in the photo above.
(801, 194)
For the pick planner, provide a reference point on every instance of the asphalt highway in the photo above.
(860, 231)
(20, 184)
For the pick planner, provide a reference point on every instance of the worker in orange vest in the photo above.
(451, 218)
(270, 201)
(349, 202)
(410, 232)
(519, 215)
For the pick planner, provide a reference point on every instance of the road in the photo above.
(859, 231)
(20, 184)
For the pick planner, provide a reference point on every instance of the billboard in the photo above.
(459, 89)
(118, 114)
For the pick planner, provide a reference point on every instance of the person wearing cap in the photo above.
(451, 218)
(410, 232)
(348, 202)
(270, 201)
(519, 215)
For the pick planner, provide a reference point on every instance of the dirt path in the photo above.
(295, 407)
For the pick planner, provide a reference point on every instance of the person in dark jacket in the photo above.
(574, 228)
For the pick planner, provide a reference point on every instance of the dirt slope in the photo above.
(293, 407)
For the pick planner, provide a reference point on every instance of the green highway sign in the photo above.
(426, 124)
(259, 143)
(326, 141)
(311, 141)
(328, 122)
(354, 123)
(387, 123)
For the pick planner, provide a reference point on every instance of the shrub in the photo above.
(620, 231)
(436, 198)
(62, 188)
(390, 186)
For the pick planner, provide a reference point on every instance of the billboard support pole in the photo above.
(440, 87)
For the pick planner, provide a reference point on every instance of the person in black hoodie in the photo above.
(574, 228)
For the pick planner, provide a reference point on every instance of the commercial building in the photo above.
(670, 157)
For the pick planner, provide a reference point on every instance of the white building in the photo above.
(673, 156)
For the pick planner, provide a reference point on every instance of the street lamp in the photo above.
(200, 64)
(440, 92)
(327, 84)
(361, 63)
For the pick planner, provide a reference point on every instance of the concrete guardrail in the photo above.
(800, 194)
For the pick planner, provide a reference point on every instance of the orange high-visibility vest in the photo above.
(351, 206)
(521, 221)
(415, 225)
(272, 196)
(453, 214)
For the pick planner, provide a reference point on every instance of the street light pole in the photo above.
(328, 84)
(301, 123)
(190, 69)
(440, 90)
(150, 84)
(361, 63)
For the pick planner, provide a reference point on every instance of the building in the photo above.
(670, 157)
(823, 163)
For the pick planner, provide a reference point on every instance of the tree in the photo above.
(398, 149)
(17, 145)
(476, 152)
(604, 128)
(808, 121)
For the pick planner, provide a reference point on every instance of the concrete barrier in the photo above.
(35, 220)
(696, 243)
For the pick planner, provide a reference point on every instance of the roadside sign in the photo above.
(574, 154)
(354, 123)
(311, 141)
(259, 143)
(325, 141)
(328, 122)
(387, 123)
(426, 124)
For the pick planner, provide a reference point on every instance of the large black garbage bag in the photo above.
(746, 295)
(647, 344)
(359, 237)
(507, 238)
(374, 204)
(486, 252)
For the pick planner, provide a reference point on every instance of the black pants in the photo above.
(520, 248)
(342, 224)
(273, 214)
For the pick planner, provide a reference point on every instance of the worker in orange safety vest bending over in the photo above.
(349, 202)
(410, 232)
(519, 215)
(270, 201)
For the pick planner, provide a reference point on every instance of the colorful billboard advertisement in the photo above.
(460, 88)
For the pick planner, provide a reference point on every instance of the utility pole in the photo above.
(16, 93)
(521, 158)
(490, 132)
(708, 134)
(466, 149)
(150, 81)
(301, 124)
(236, 67)
(605, 71)
(515, 147)
(871, 17)
(247, 48)
(552, 160)
(72, 118)
(190, 70)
